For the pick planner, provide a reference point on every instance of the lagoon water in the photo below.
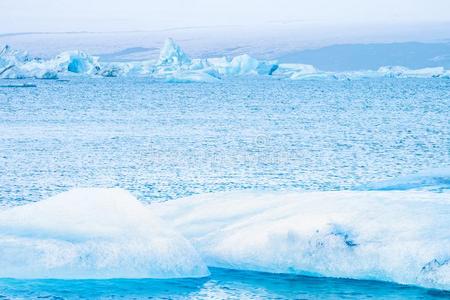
(163, 141)
(222, 284)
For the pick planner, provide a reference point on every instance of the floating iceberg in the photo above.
(242, 65)
(171, 54)
(10, 59)
(17, 65)
(433, 179)
(398, 71)
(92, 233)
(75, 62)
(398, 236)
(295, 71)
(190, 76)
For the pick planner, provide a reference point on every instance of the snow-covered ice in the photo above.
(398, 236)
(92, 233)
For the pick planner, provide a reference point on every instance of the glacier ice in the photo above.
(190, 76)
(174, 65)
(398, 236)
(20, 66)
(398, 71)
(92, 233)
(295, 71)
(242, 65)
(433, 179)
(171, 54)
(75, 62)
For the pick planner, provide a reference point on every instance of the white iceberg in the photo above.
(242, 65)
(92, 233)
(295, 71)
(10, 60)
(397, 236)
(398, 71)
(17, 65)
(119, 69)
(172, 55)
(75, 62)
(190, 76)
(433, 179)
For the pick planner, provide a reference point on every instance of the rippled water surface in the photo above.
(222, 284)
(164, 140)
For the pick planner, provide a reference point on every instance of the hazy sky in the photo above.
(108, 15)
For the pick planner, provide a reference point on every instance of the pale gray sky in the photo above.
(107, 15)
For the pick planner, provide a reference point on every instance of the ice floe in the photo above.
(92, 233)
(398, 71)
(432, 179)
(397, 236)
(175, 65)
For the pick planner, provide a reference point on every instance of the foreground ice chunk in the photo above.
(92, 233)
(400, 236)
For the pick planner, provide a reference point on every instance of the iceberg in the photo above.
(119, 69)
(391, 235)
(75, 62)
(433, 179)
(9, 61)
(92, 233)
(190, 76)
(398, 71)
(171, 54)
(397, 236)
(295, 71)
(242, 65)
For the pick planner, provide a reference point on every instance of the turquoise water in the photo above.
(222, 284)
(163, 141)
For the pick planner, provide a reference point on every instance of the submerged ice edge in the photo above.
(437, 180)
(174, 65)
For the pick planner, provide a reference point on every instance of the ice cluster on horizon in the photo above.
(175, 65)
